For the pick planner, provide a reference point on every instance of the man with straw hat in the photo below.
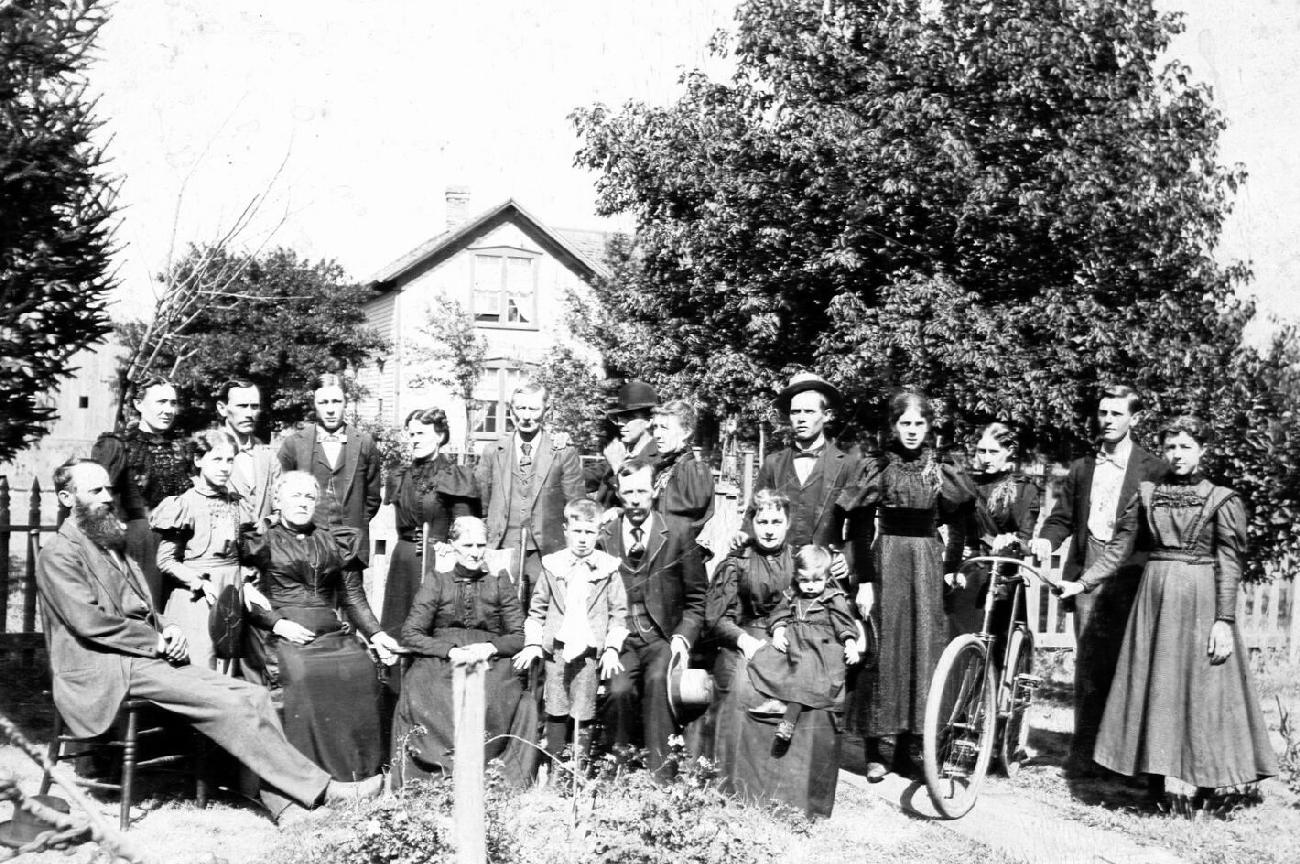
(811, 472)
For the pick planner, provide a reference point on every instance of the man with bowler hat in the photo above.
(811, 472)
(631, 416)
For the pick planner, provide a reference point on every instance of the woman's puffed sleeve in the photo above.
(348, 543)
(393, 485)
(1028, 504)
(457, 481)
(722, 603)
(956, 503)
(510, 640)
(172, 515)
(864, 491)
(1229, 547)
(254, 545)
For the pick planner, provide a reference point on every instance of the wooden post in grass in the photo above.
(467, 774)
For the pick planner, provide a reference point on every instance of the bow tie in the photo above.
(334, 438)
(584, 561)
(1105, 457)
(808, 454)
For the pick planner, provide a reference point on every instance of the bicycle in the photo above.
(971, 710)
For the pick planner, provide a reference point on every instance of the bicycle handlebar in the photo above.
(1018, 562)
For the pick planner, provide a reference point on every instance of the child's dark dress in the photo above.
(811, 671)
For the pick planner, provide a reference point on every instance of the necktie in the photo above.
(807, 454)
(637, 552)
(334, 438)
(526, 460)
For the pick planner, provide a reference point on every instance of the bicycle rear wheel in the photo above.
(960, 722)
(1016, 692)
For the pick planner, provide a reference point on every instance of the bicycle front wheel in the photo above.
(960, 722)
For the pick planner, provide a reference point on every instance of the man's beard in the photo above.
(99, 523)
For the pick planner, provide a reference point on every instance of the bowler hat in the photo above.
(804, 381)
(691, 688)
(634, 396)
(25, 827)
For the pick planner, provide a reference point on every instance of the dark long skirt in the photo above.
(405, 570)
(142, 545)
(1170, 710)
(740, 745)
(426, 702)
(331, 697)
(913, 627)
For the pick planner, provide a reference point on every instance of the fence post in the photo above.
(33, 549)
(746, 478)
(468, 810)
(4, 553)
(1293, 640)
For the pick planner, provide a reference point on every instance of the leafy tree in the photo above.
(1005, 204)
(577, 397)
(55, 239)
(450, 351)
(275, 319)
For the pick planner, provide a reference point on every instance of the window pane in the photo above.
(487, 287)
(519, 290)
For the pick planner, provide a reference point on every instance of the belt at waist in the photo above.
(1181, 557)
(907, 521)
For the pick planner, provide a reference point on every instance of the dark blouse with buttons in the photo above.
(143, 468)
(308, 568)
(460, 607)
(745, 590)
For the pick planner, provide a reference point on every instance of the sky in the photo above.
(353, 118)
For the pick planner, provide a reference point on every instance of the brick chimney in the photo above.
(457, 206)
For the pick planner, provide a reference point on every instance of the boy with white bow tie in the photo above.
(577, 620)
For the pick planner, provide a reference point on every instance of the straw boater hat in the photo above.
(687, 688)
(25, 827)
(805, 381)
(634, 396)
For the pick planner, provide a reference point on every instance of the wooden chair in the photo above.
(137, 721)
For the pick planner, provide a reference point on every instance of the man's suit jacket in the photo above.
(557, 479)
(671, 572)
(255, 472)
(98, 617)
(1070, 512)
(816, 515)
(362, 493)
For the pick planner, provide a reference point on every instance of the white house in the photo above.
(514, 274)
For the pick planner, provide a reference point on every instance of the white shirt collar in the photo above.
(1120, 457)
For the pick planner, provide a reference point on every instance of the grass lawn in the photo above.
(863, 828)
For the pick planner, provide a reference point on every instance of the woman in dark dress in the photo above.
(430, 491)
(1182, 707)
(745, 590)
(146, 463)
(329, 686)
(1002, 521)
(461, 613)
(914, 491)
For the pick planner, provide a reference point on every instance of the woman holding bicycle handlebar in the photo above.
(1003, 519)
(914, 491)
(1182, 705)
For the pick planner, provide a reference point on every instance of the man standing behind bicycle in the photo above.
(1095, 491)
